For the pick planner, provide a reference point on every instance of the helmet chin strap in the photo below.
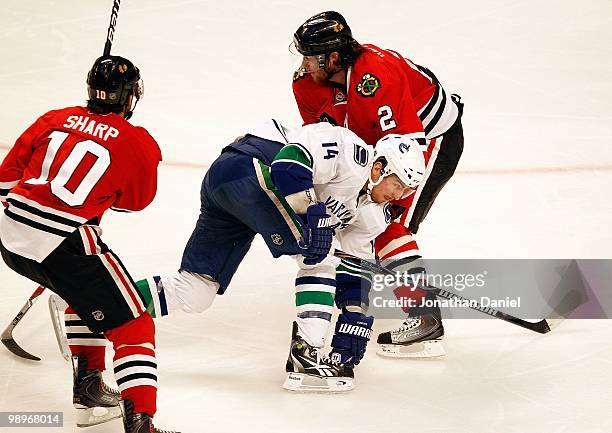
(129, 113)
(412, 191)
(372, 183)
(323, 66)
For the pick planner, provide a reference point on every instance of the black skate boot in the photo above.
(94, 401)
(138, 422)
(417, 337)
(308, 370)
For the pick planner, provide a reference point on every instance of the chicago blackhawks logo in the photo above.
(368, 86)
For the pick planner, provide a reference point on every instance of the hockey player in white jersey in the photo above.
(305, 191)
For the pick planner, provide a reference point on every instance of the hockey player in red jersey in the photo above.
(375, 92)
(63, 173)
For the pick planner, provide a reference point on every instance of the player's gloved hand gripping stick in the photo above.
(318, 233)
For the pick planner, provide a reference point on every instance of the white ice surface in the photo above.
(534, 182)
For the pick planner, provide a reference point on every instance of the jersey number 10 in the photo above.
(69, 166)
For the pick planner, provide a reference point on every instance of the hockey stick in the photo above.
(57, 306)
(111, 28)
(7, 335)
(541, 326)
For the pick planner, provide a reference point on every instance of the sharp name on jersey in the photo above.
(89, 126)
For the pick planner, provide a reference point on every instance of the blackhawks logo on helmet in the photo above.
(368, 86)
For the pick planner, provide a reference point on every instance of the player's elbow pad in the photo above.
(290, 178)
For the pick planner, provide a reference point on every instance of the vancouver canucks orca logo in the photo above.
(360, 155)
(368, 86)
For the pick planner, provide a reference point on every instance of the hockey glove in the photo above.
(318, 234)
(353, 331)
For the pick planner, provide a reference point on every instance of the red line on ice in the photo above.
(468, 172)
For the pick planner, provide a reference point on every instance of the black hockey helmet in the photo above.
(322, 34)
(111, 81)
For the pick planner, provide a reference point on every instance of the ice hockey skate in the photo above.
(94, 401)
(138, 422)
(417, 337)
(309, 371)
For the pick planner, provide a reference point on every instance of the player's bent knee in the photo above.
(140, 330)
(196, 292)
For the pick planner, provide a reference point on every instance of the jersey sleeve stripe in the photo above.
(294, 152)
(429, 125)
(291, 161)
(306, 152)
(424, 112)
(439, 114)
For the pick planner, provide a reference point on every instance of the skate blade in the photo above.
(300, 382)
(97, 415)
(423, 349)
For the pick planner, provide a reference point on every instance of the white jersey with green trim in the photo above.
(340, 164)
(372, 219)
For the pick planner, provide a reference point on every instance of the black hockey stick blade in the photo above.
(12, 345)
(7, 335)
(541, 326)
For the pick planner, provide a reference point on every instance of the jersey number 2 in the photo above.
(69, 166)
(386, 118)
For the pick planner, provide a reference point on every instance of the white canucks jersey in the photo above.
(338, 163)
(371, 220)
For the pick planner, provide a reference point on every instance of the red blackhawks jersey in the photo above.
(385, 94)
(66, 170)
